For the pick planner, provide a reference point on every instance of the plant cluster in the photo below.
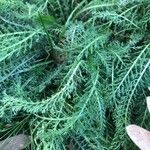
(74, 73)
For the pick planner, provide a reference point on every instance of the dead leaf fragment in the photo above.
(139, 136)
(148, 103)
(17, 142)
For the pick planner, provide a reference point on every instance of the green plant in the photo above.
(77, 70)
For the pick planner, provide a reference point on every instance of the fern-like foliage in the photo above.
(76, 72)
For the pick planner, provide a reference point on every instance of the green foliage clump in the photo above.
(74, 73)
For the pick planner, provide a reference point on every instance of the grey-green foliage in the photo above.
(80, 91)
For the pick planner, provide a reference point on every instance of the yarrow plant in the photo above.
(74, 73)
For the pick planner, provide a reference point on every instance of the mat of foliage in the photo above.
(74, 73)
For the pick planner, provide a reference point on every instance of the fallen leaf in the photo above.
(139, 136)
(148, 103)
(17, 142)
